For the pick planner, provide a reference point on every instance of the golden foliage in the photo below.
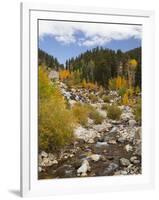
(125, 99)
(64, 74)
(55, 122)
(132, 64)
(80, 112)
(117, 83)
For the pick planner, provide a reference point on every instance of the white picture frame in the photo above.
(30, 185)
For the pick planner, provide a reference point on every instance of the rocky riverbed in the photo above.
(110, 148)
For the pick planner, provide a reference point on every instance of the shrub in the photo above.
(95, 115)
(55, 122)
(137, 90)
(80, 113)
(101, 91)
(125, 99)
(112, 84)
(93, 98)
(117, 83)
(64, 74)
(130, 92)
(113, 112)
(122, 91)
(106, 99)
(104, 106)
(138, 111)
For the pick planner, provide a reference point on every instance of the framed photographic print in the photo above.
(87, 97)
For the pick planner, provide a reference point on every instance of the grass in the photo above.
(93, 98)
(106, 98)
(113, 112)
(82, 111)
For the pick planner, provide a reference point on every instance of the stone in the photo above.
(110, 169)
(132, 123)
(44, 154)
(54, 162)
(82, 170)
(65, 171)
(72, 102)
(100, 128)
(101, 144)
(85, 134)
(51, 156)
(112, 142)
(114, 130)
(126, 116)
(90, 121)
(138, 133)
(134, 160)
(95, 157)
(122, 172)
(121, 140)
(128, 148)
(124, 162)
(90, 141)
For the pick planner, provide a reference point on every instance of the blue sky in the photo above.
(64, 40)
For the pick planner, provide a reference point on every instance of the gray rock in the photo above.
(112, 142)
(110, 169)
(65, 171)
(121, 140)
(51, 156)
(126, 116)
(95, 157)
(134, 160)
(85, 134)
(128, 148)
(114, 130)
(138, 133)
(132, 123)
(82, 170)
(124, 162)
(101, 144)
(44, 154)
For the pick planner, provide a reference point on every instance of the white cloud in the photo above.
(87, 34)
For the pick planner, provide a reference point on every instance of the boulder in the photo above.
(95, 157)
(126, 116)
(84, 168)
(132, 123)
(128, 148)
(44, 154)
(124, 162)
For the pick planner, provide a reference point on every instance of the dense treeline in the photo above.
(48, 60)
(99, 65)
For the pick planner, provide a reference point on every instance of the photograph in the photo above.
(89, 99)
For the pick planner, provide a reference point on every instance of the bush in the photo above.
(106, 99)
(138, 111)
(113, 112)
(93, 98)
(122, 91)
(55, 122)
(80, 113)
(125, 99)
(104, 106)
(95, 115)
(83, 111)
(101, 91)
